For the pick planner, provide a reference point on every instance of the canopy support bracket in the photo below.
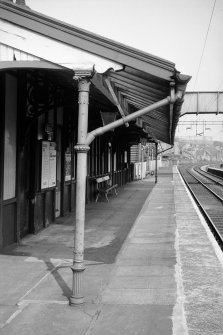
(110, 88)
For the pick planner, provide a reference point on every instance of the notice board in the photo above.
(49, 163)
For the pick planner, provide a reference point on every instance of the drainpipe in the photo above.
(82, 148)
(99, 131)
(77, 297)
(172, 90)
(156, 144)
(142, 159)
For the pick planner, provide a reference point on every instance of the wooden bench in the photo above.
(104, 187)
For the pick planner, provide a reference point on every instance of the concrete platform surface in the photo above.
(152, 267)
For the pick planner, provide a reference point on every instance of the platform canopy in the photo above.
(128, 78)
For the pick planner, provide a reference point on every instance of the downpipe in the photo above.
(101, 130)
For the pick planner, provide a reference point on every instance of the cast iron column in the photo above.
(78, 267)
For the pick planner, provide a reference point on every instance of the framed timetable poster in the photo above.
(48, 167)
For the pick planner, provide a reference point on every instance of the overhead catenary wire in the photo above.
(205, 42)
(203, 49)
(214, 98)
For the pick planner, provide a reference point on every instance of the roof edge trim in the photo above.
(14, 13)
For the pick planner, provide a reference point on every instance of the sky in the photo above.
(186, 32)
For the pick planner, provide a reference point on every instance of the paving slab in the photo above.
(5, 312)
(17, 276)
(134, 320)
(152, 268)
(36, 273)
(164, 282)
(48, 319)
(153, 296)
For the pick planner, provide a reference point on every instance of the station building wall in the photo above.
(38, 131)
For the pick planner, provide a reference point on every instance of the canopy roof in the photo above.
(136, 80)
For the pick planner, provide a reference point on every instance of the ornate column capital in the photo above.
(83, 77)
(84, 85)
(81, 148)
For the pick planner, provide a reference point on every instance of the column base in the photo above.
(76, 301)
(77, 296)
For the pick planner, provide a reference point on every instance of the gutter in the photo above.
(87, 41)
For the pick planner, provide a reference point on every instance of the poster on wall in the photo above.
(67, 166)
(53, 165)
(48, 168)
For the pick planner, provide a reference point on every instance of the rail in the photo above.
(209, 202)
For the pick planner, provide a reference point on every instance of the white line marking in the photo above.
(30, 301)
(40, 281)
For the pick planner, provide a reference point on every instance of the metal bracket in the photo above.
(115, 100)
(172, 99)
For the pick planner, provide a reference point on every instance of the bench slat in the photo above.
(105, 189)
(101, 179)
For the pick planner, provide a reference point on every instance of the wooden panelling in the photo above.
(8, 53)
(49, 208)
(67, 198)
(91, 189)
(23, 215)
(2, 123)
(39, 211)
(10, 138)
(9, 224)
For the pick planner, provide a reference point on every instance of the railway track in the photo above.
(207, 191)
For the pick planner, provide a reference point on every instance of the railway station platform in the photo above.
(152, 267)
